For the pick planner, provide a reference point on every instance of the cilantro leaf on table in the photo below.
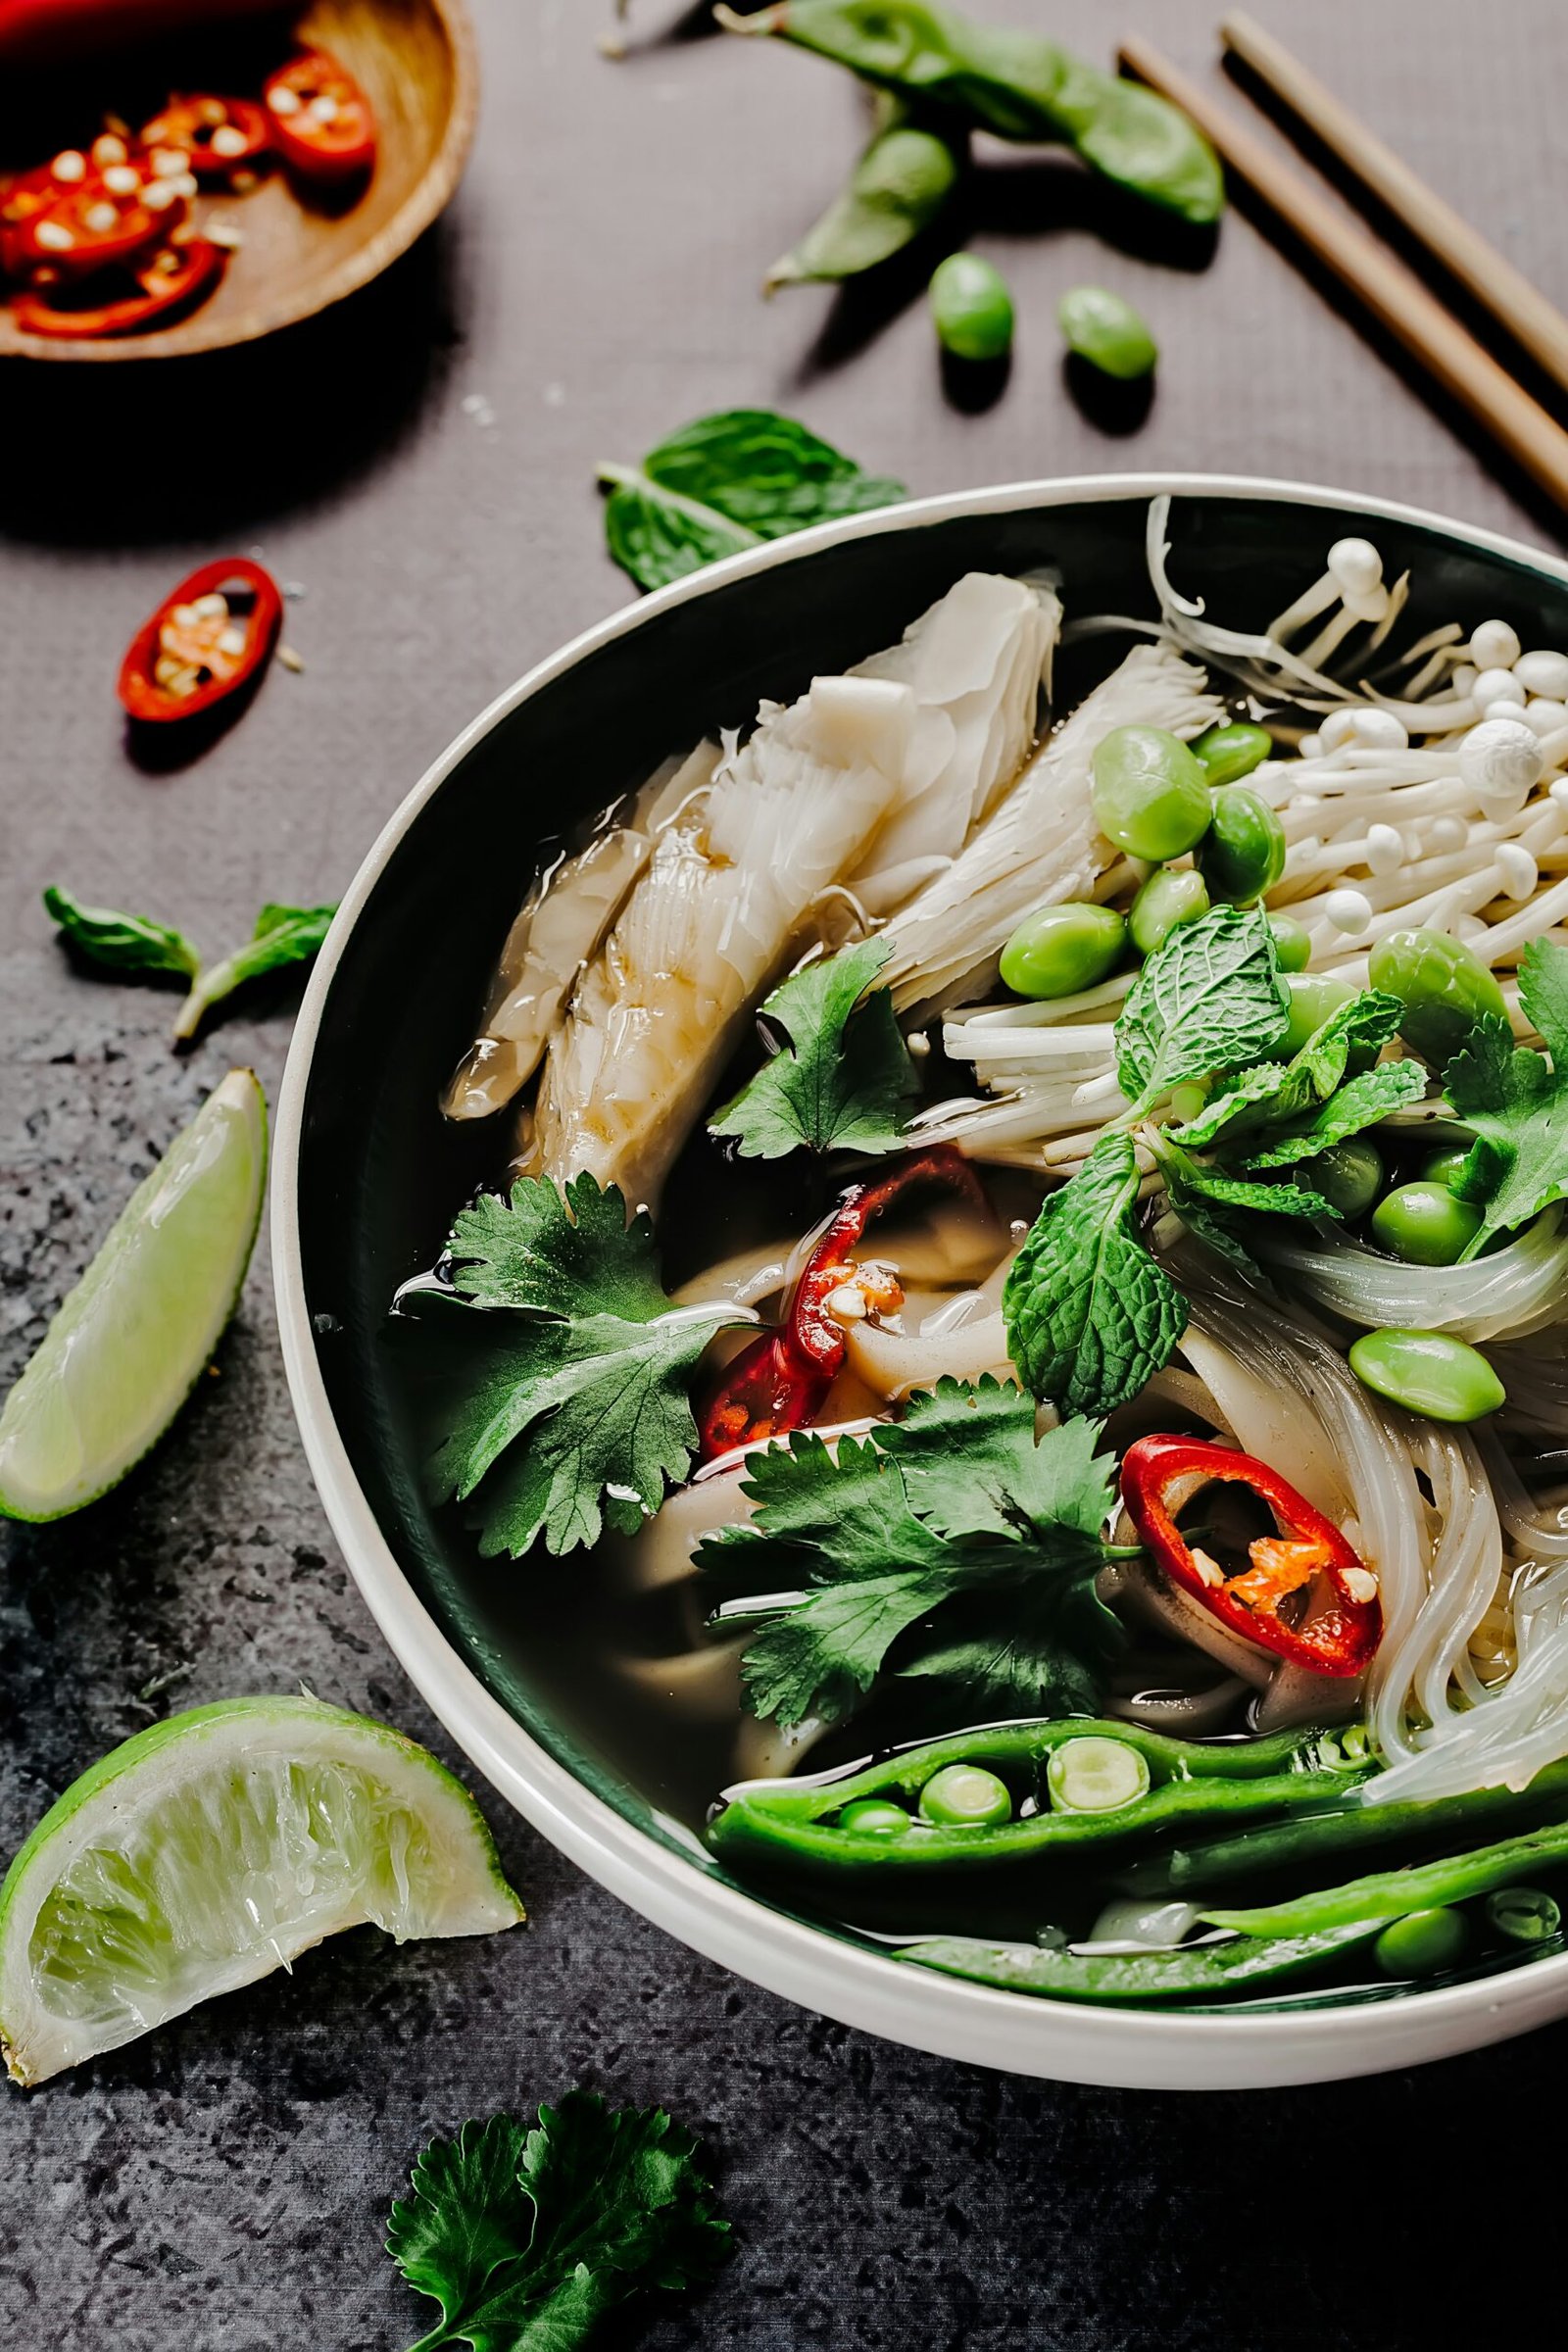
(576, 1346)
(954, 1514)
(724, 483)
(1089, 1315)
(1211, 1000)
(1517, 1102)
(526, 2238)
(840, 1078)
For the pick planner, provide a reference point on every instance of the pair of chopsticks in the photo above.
(1393, 293)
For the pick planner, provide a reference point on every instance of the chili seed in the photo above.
(324, 108)
(121, 180)
(283, 101)
(53, 237)
(100, 219)
(69, 166)
(166, 163)
(107, 149)
(228, 140)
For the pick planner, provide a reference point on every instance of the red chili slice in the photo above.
(173, 279)
(780, 1380)
(220, 135)
(1160, 1475)
(89, 227)
(140, 689)
(31, 192)
(322, 122)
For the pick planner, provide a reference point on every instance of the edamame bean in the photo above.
(1445, 1165)
(965, 1796)
(1095, 1774)
(1231, 750)
(972, 307)
(1062, 950)
(1421, 1945)
(1427, 1372)
(1188, 1100)
(1313, 997)
(1348, 1175)
(1172, 895)
(1243, 852)
(1444, 987)
(1151, 797)
(1291, 944)
(1523, 1914)
(1425, 1225)
(1107, 333)
(875, 1817)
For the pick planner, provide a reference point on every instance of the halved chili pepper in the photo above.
(1160, 1475)
(780, 1381)
(90, 227)
(173, 279)
(322, 122)
(220, 135)
(174, 634)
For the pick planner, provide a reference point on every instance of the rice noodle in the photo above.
(1520, 1288)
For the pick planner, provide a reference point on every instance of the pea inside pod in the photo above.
(972, 307)
(1427, 1372)
(1107, 333)
(1151, 797)
(1062, 950)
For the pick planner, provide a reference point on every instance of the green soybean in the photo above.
(1151, 797)
(1421, 1945)
(896, 190)
(1060, 950)
(1107, 331)
(972, 307)
(1445, 1165)
(1348, 1175)
(1172, 895)
(1427, 1372)
(1095, 1774)
(1523, 1914)
(1243, 852)
(1313, 997)
(1425, 1225)
(965, 1796)
(1291, 945)
(1231, 750)
(1445, 990)
(875, 1817)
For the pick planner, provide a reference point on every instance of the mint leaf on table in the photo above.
(576, 1346)
(124, 942)
(841, 1078)
(1211, 1000)
(955, 1515)
(526, 2239)
(131, 942)
(724, 483)
(1089, 1315)
(283, 935)
(1517, 1101)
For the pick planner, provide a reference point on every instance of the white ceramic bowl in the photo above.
(833, 577)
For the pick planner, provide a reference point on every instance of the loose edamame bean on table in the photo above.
(1443, 986)
(1243, 852)
(1231, 750)
(1425, 1225)
(1172, 895)
(972, 307)
(1062, 950)
(1107, 331)
(1348, 1175)
(1151, 797)
(1427, 1372)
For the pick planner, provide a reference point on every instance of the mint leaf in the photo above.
(1209, 1202)
(840, 1079)
(1280, 1091)
(1089, 1315)
(283, 935)
(1211, 1000)
(1360, 1103)
(124, 942)
(724, 483)
(526, 2239)
(1517, 1102)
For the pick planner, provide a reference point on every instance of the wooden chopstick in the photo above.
(1534, 324)
(1394, 294)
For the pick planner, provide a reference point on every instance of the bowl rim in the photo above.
(945, 2016)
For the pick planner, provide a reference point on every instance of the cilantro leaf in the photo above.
(124, 942)
(526, 2238)
(1089, 1315)
(283, 935)
(577, 1348)
(843, 1080)
(1211, 1000)
(1517, 1102)
(946, 1516)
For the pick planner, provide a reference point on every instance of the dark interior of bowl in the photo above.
(381, 1173)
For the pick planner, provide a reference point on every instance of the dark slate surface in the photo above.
(421, 466)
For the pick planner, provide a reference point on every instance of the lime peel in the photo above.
(216, 1847)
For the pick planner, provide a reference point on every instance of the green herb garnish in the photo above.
(954, 1514)
(725, 483)
(132, 943)
(123, 942)
(1212, 1000)
(1517, 1101)
(526, 2238)
(579, 1349)
(840, 1078)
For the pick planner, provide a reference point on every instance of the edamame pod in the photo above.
(896, 190)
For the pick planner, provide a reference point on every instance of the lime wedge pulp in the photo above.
(216, 1847)
(130, 1341)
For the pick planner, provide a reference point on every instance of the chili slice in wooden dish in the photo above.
(322, 122)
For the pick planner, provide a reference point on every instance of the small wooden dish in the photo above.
(418, 64)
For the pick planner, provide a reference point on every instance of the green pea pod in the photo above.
(896, 190)
(1017, 84)
(1199, 1971)
(1394, 1893)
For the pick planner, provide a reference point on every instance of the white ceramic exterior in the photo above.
(1135, 2049)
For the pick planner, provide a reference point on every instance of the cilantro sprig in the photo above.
(949, 1544)
(579, 1351)
(527, 2238)
(840, 1078)
(1516, 1099)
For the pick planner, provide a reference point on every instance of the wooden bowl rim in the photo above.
(424, 203)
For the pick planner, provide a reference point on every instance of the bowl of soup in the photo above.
(932, 1305)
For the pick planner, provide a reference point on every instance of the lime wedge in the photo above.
(216, 1847)
(124, 1353)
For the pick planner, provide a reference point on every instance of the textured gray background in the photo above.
(421, 467)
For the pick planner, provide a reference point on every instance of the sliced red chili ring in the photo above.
(30, 192)
(220, 135)
(173, 279)
(1340, 1630)
(140, 689)
(90, 227)
(322, 122)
